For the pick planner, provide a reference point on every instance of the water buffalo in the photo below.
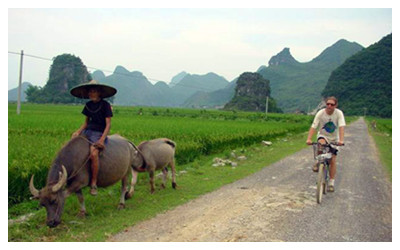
(71, 167)
(158, 154)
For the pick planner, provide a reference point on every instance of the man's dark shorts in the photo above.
(334, 150)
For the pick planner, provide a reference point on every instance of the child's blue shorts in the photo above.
(93, 136)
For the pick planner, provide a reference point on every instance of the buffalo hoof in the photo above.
(128, 195)
(121, 206)
(174, 185)
(162, 186)
(82, 214)
(52, 224)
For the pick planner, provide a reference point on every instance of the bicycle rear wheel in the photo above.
(320, 183)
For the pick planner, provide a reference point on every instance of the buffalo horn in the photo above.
(32, 188)
(62, 180)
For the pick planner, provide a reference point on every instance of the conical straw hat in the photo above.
(82, 90)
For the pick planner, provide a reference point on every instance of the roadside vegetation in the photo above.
(381, 131)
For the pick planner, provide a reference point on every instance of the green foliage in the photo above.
(33, 94)
(364, 82)
(66, 72)
(35, 136)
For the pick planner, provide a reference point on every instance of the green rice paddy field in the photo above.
(37, 134)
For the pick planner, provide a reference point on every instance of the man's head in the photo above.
(331, 103)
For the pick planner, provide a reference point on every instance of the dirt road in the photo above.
(278, 204)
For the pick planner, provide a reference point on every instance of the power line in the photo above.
(116, 73)
(37, 57)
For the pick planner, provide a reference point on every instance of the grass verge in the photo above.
(382, 134)
(103, 219)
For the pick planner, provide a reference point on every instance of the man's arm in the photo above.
(311, 132)
(341, 135)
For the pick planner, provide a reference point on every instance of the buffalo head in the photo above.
(52, 198)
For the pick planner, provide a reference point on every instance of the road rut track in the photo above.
(278, 204)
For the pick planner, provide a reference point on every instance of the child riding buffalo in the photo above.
(97, 123)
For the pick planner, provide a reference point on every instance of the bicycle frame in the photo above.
(325, 159)
(323, 155)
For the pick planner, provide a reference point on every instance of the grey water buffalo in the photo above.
(158, 154)
(71, 168)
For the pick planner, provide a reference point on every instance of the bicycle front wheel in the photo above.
(320, 182)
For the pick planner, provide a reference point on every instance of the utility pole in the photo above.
(19, 84)
(266, 106)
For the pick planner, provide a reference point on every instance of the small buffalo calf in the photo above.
(156, 154)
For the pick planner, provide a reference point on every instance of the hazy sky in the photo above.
(161, 43)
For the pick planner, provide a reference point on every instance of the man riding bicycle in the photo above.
(330, 124)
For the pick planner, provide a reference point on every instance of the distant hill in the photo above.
(337, 53)
(364, 82)
(251, 93)
(190, 84)
(176, 79)
(135, 89)
(13, 93)
(98, 75)
(297, 86)
(66, 72)
(214, 99)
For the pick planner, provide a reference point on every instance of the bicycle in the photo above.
(323, 153)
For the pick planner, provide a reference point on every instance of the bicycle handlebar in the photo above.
(326, 145)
